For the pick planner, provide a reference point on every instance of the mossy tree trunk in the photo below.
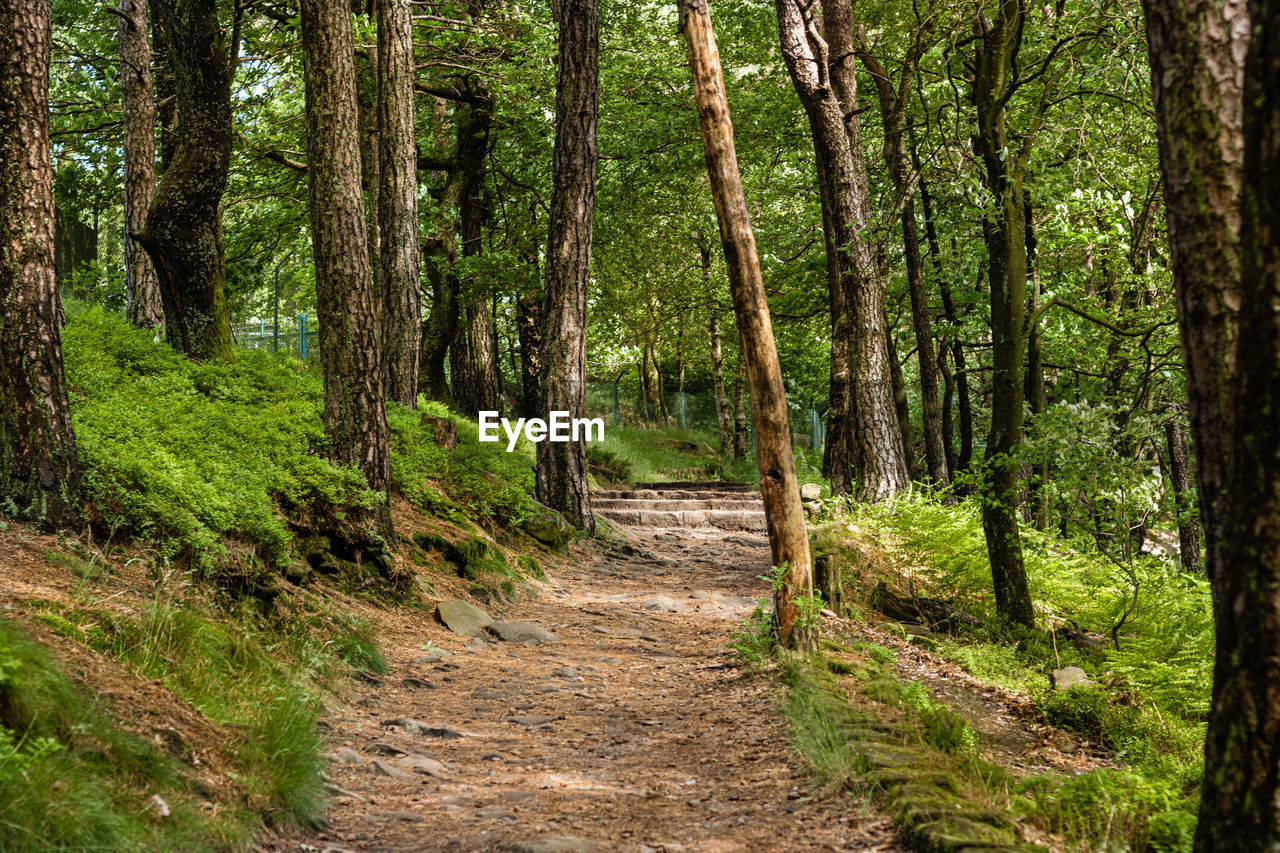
(183, 230)
(355, 414)
(39, 475)
(779, 487)
(1218, 124)
(562, 466)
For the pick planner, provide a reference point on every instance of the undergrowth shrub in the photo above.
(183, 454)
(483, 481)
(257, 677)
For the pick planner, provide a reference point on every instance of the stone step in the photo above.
(698, 486)
(726, 503)
(745, 520)
(674, 495)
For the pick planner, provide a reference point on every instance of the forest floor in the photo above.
(634, 730)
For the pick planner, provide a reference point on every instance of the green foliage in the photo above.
(483, 481)
(754, 642)
(1116, 810)
(657, 455)
(72, 779)
(185, 455)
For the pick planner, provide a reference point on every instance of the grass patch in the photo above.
(258, 677)
(72, 779)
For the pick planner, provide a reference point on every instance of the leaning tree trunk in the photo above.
(39, 476)
(398, 202)
(1003, 230)
(355, 414)
(138, 105)
(183, 230)
(778, 484)
(562, 466)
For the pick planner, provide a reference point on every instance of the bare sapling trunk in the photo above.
(39, 474)
(778, 484)
(562, 466)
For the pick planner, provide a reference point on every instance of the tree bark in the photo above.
(1196, 50)
(823, 75)
(529, 326)
(562, 466)
(1003, 231)
(355, 414)
(183, 229)
(893, 111)
(142, 291)
(39, 474)
(1180, 474)
(723, 419)
(740, 436)
(398, 202)
(778, 484)
(1231, 347)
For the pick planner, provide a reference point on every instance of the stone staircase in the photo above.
(728, 506)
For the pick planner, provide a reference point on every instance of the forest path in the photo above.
(630, 732)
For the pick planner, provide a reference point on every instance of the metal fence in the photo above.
(298, 335)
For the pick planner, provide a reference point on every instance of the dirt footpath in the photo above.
(630, 731)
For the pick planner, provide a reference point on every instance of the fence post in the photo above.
(302, 335)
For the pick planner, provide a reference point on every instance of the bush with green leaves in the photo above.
(187, 455)
(482, 480)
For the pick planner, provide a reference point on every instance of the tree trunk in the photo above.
(1003, 230)
(183, 230)
(741, 438)
(398, 202)
(1196, 80)
(529, 325)
(893, 111)
(778, 484)
(822, 73)
(562, 466)
(1180, 474)
(138, 106)
(961, 376)
(723, 419)
(1222, 218)
(162, 79)
(355, 414)
(39, 475)
(901, 406)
